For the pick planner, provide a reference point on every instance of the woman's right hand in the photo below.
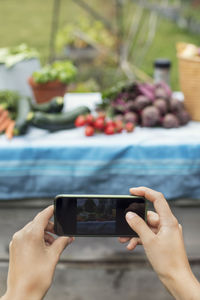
(164, 246)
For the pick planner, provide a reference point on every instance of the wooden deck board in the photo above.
(14, 218)
(99, 268)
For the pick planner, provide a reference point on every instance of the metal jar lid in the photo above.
(162, 63)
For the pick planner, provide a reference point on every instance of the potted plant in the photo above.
(84, 40)
(52, 80)
(16, 66)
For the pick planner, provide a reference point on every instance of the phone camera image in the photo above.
(96, 215)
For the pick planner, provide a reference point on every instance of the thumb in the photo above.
(60, 244)
(139, 226)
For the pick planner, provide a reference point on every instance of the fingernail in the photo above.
(132, 189)
(130, 215)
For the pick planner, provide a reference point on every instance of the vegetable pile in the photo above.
(56, 121)
(8, 107)
(17, 113)
(145, 105)
(96, 124)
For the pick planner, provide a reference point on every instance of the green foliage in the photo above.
(83, 32)
(12, 55)
(64, 71)
(87, 86)
(30, 22)
(9, 99)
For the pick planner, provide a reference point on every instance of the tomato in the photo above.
(89, 130)
(99, 123)
(129, 127)
(119, 126)
(89, 120)
(110, 129)
(80, 121)
(110, 123)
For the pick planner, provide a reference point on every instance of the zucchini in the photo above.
(21, 122)
(55, 105)
(54, 122)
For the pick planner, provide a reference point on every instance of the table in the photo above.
(42, 164)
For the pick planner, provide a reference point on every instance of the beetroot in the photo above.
(170, 121)
(131, 117)
(160, 92)
(164, 86)
(141, 102)
(146, 105)
(130, 105)
(119, 105)
(150, 116)
(161, 105)
(183, 117)
(175, 105)
(147, 90)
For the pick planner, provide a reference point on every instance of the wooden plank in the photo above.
(99, 282)
(98, 249)
(99, 268)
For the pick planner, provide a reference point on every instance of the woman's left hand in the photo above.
(34, 253)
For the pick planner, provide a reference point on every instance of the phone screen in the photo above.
(96, 215)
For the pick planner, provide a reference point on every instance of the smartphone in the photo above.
(96, 215)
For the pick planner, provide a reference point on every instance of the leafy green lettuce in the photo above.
(11, 56)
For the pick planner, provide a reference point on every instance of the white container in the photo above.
(15, 77)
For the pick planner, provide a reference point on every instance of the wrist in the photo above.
(182, 285)
(20, 295)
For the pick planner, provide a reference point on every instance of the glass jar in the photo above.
(162, 68)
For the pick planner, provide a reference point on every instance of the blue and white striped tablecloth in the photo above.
(41, 164)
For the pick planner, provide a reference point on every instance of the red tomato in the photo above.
(99, 123)
(110, 123)
(89, 120)
(119, 125)
(89, 130)
(109, 130)
(129, 127)
(80, 121)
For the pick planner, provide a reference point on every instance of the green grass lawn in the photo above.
(30, 22)
(164, 45)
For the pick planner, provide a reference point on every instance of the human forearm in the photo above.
(34, 253)
(164, 246)
(183, 285)
(10, 295)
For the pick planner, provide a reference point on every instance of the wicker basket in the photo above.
(189, 76)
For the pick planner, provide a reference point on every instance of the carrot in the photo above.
(10, 130)
(1, 109)
(5, 124)
(3, 116)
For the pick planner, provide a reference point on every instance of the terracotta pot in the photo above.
(43, 92)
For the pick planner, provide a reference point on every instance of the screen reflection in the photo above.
(96, 216)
